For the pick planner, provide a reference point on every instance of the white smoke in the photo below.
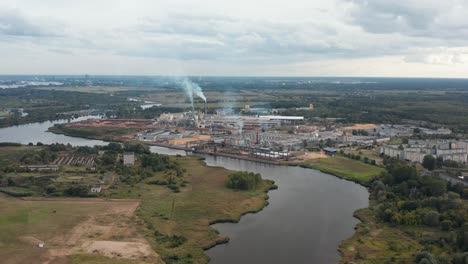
(191, 89)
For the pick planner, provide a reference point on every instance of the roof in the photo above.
(274, 117)
(330, 149)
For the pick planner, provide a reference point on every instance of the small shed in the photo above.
(96, 188)
(129, 158)
(330, 151)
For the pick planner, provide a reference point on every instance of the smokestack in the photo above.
(205, 108)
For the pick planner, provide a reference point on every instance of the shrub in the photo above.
(446, 225)
(158, 182)
(431, 218)
(425, 257)
(173, 187)
(79, 190)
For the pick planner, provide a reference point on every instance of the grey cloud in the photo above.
(197, 37)
(430, 18)
(14, 23)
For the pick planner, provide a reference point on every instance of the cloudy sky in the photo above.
(401, 38)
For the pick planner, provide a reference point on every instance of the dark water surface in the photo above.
(37, 132)
(307, 218)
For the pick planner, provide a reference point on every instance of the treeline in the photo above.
(358, 157)
(404, 197)
(43, 105)
(244, 180)
(130, 111)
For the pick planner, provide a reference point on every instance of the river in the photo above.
(307, 218)
(37, 132)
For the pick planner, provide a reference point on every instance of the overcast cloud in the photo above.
(287, 38)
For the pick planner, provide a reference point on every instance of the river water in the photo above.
(306, 219)
(37, 132)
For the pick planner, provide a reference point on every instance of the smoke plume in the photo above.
(191, 89)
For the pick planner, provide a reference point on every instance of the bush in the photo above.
(431, 218)
(243, 180)
(158, 182)
(425, 257)
(446, 225)
(80, 190)
(173, 187)
(169, 241)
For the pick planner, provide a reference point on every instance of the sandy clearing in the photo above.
(98, 232)
(312, 155)
(360, 127)
(127, 250)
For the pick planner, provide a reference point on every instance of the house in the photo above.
(96, 188)
(330, 151)
(129, 158)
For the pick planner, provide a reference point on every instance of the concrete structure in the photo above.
(129, 158)
(41, 167)
(96, 188)
(282, 118)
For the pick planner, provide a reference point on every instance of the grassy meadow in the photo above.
(342, 167)
(103, 133)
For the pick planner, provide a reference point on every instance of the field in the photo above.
(89, 89)
(371, 154)
(93, 132)
(345, 168)
(4, 113)
(178, 223)
(72, 230)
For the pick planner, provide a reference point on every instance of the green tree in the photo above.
(431, 218)
(429, 162)
(243, 180)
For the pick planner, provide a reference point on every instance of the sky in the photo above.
(375, 38)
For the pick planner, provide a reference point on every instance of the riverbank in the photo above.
(340, 167)
(178, 224)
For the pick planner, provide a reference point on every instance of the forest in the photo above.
(405, 198)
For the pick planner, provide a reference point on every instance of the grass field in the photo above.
(93, 132)
(91, 89)
(189, 213)
(371, 154)
(68, 228)
(345, 168)
(375, 243)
